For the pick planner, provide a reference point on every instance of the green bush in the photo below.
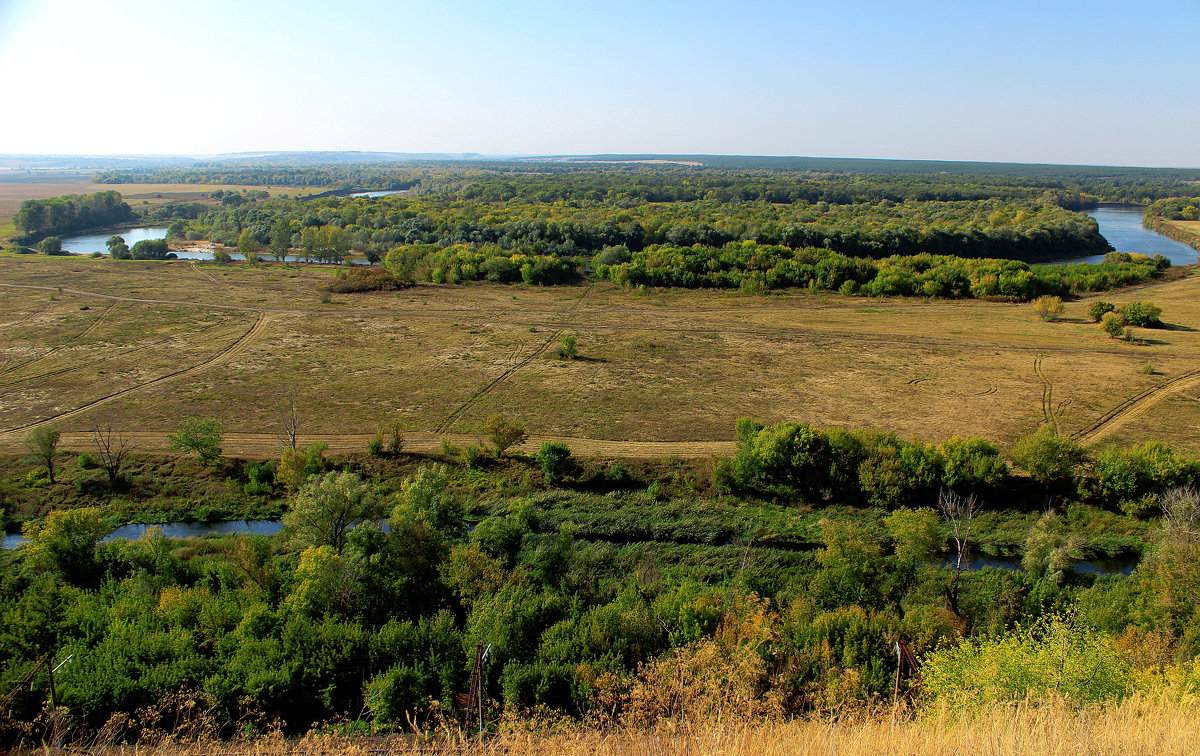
(1049, 307)
(375, 445)
(1113, 323)
(1142, 314)
(1097, 309)
(1132, 478)
(1052, 658)
(555, 460)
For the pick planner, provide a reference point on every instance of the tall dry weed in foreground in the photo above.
(1140, 725)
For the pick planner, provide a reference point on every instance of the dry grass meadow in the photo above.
(1132, 728)
(144, 344)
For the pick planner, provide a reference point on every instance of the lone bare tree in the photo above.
(112, 447)
(959, 513)
(289, 418)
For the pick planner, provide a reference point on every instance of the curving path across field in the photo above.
(253, 334)
(1135, 406)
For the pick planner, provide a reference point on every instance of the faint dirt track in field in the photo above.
(243, 342)
(1135, 406)
(13, 368)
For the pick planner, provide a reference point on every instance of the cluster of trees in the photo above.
(1025, 228)
(463, 262)
(72, 212)
(878, 469)
(1174, 208)
(340, 616)
(753, 266)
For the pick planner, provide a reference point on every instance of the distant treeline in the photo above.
(73, 212)
(746, 179)
(342, 176)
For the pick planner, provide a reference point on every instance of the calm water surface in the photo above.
(89, 243)
(1122, 226)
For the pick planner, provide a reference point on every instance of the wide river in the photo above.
(1122, 226)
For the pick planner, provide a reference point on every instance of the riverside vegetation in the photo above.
(610, 591)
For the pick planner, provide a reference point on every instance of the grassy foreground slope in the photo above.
(1132, 728)
(145, 344)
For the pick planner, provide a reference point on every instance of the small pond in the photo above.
(89, 243)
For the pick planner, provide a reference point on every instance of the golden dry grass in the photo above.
(1131, 728)
(164, 340)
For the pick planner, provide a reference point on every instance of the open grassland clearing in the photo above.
(160, 341)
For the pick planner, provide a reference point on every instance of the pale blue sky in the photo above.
(1062, 82)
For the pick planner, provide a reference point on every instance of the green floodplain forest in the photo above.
(815, 570)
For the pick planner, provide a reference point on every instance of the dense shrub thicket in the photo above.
(879, 469)
(754, 266)
(339, 617)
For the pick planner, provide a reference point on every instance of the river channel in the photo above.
(1122, 226)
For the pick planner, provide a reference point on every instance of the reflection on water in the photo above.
(180, 530)
(89, 243)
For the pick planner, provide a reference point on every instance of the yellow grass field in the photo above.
(1131, 728)
(144, 344)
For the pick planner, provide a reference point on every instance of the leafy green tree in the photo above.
(504, 434)
(65, 543)
(248, 247)
(326, 508)
(326, 581)
(425, 498)
(916, 534)
(117, 248)
(150, 249)
(1054, 461)
(555, 460)
(51, 245)
(281, 240)
(1113, 323)
(201, 435)
(296, 465)
(42, 445)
